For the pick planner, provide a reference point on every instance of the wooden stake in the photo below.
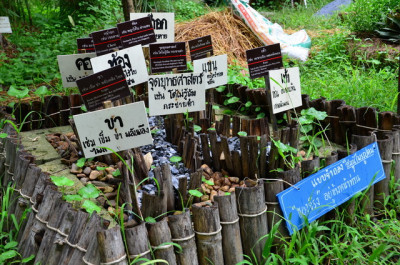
(160, 234)
(268, 93)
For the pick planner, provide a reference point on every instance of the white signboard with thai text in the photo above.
(5, 26)
(214, 68)
(118, 128)
(285, 89)
(163, 24)
(132, 62)
(74, 67)
(176, 93)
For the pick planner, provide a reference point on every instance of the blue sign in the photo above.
(319, 193)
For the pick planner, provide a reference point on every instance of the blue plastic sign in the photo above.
(319, 193)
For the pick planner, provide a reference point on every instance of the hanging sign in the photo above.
(115, 128)
(132, 62)
(176, 93)
(165, 57)
(135, 32)
(285, 89)
(261, 60)
(215, 69)
(106, 85)
(163, 24)
(85, 45)
(200, 47)
(5, 26)
(321, 192)
(106, 41)
(74, 67)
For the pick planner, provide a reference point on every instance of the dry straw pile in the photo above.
(229, 34)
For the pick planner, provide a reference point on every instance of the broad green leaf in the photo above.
(241, 133)
(233, 100)
(207, 181)
(90, 207)
(8, 255)
(72, 197)
(211, 129)
(3, 135)
(215, 107)
(116, 173)
(220, 89)
(11, 244)
(81, 162)
(83, 108)
(175, 159)
(100, 168)
(18, 93)
(227, 193)
(196, 128)
(248, 104)
(260, 115)
(150, 220)
(62, 181)
(25, 260)
(227, 112)
(41, 91)
(195, 193)
(89, 191)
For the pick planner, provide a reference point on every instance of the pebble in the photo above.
(84, 181)
(87, 171)
(75, 169)
(94, 175)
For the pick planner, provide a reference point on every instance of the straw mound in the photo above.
(229, 34)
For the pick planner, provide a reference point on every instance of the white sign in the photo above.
(5, 26)
(74, 67)
(214, 68)
(163, 24)
(132, 62)
(285, 89)
(116, 128)
(176, 93)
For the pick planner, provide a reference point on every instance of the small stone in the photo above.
(112, 203)
(81, 175)
(111, 195)
(234, 180)
(231, 190)
(108, 189)
(109, 176)
(75, 169)
(131, 223)
(225, 188)
(110, 170)
(94, 175)
(213, 194)
(205, 198)
(250, 183)
(84, 181)
(87, 171)
(207, 169)
(227, 182)
(101, 200)
(216, 187)
(100, 184)
(205, 189)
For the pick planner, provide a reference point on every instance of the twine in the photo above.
(209, 234)
(253, 215)
(272, 203)
(115, 261)
(161, 247)
(87, 262)
(40, 220)
(229, 223)
(297, 188)
(183, 239)
(395, 153)
(387, 161)
(371, 128)
(334, 117)
(34, 209)
(23, 195)
(139, 255)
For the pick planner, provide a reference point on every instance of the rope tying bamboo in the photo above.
(253, 215)
(387, 161)
(87, 262)
(41, 220)
(139, 255)
(395, 153)
(115, 261)
(209, 234)
(161, 247)
(297, 188)
(183, 239)
(272, 203)
(229, 223)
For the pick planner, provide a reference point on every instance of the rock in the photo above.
(111, 195)
(84, 180)
(227, 182)
(250, 183)
(94, 175)
(75, 169)
(101, 200)
(205, 189)
(148, 160)
(231, 190)
(108, 189)
(112, 203)
(216, 187)
(207, 169)
(81, 175)
(213, 193)
(225, 188)
(205, 198)
(109, 170)
(206, 176)
(87, 171)
(109, 176)
(100, 184)
(130, 223)
(63, 145)
(234, 179)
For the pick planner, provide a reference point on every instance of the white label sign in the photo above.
(116, 128)
(5, 26)
(176, 93)
(163, 24)
(74, 67)
(285, 89)
(214, 68)
(132, 62)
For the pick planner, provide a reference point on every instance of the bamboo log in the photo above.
(168, 187)
(291, 176)
(227, 154)
(253, 219)
(111, 246)
(214, 150)
(205, 149)
(381, 189)
(263, 156)
(349, 151)
(137, 242)
(308, 167)
(396, 157)
(159, 235)
(208, 234)
(10, 151)
(182, 233)
(153, 205)
(231, 240)
(81, 247)
(245, 157)
(332, 158)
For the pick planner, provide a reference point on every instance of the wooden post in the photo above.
(182, 233)
(231, 240)
(268, 94)
(252, 219)
(308, 167)
(111, 246)
(396, 156)
(208, 234)
(137, 242)
(159, 234)
(381, 190)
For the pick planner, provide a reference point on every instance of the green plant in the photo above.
(390, 29)
(287, 153)
(176, 160)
